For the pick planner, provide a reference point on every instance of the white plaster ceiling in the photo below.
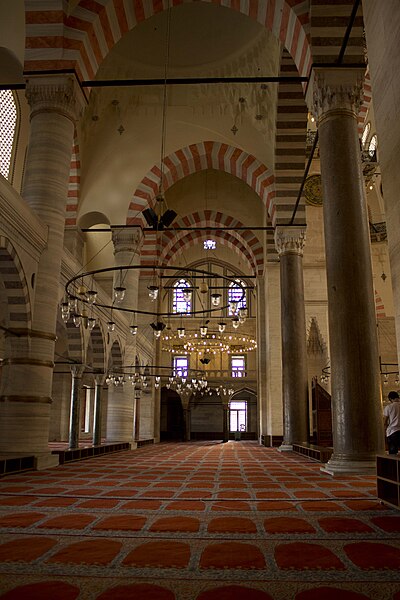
(206, 40)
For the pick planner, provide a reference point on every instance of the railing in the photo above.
(212, 374)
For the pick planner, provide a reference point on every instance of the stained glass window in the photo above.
(182, 297)
(237, 293)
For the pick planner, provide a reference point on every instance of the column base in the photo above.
(285, 447)
(46, 460)
(338, 466)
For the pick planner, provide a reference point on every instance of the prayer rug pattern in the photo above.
(196, 521)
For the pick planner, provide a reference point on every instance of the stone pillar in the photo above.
(225, 429)
(356, 402)
(290, 243)
(185, 400)
(120, 409)
(73, 438)
(97, 413)
(137, 411)
(25, 395)
(262, 360)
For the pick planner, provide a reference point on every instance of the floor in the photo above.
(196, 521)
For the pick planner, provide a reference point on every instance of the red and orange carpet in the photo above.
(197, 521)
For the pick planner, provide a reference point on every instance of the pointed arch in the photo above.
(98, 348)
(379, 306)
(15, 287)
(192, 238)
(87, 35)
(76, 350)
(244, 243)
(315, 341)
(198, 157)
(74, 182)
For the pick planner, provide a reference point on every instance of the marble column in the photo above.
(185, 400)
(97, 412)
(225, 429)
(335, 96)
(137, 412)
(290, 243)
(262, 361)
(121, 402)
(74, 415)
(25, 394)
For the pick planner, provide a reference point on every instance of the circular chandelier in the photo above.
(80, 298)
(212, 343)
(185, 382)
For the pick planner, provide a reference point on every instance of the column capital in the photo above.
(77, 371)
(290, 240)
(127, 240)
(99, 378)
(55, 93)
(336, 89)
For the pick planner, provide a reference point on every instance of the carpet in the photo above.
(196, 521)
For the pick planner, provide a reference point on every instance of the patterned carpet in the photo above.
(197, 521)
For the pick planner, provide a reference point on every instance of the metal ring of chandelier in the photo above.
(178, 271)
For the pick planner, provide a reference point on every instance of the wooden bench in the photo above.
(66, 456)
(320, 453)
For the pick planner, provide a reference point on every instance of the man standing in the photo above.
(391, 412)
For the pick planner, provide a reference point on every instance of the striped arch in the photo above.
(290, 146)
(195, 237)
(366, 103)
(98, 349)
(379, 306)
(244, 243)
(74, 182)
(198, 157)
(15, 286)
(81, 40)
(115, 356)
(76, 349)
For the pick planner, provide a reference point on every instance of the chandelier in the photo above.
(212, 343)
(81, 299)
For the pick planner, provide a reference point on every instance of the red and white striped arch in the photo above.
(379, 306)
(74, 183)
(243, 242)
(81, 40)
(193, 238)
(198, 157)
(364, 108)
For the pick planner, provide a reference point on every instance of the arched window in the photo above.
(182, 297)
(8, 123)
(372, 146)
(237, 293)
(365, 134)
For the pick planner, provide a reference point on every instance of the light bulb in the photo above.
(119, 293)
(65, 317)
(153, 292)
(181, 332)
(133, 329)
(215, 299)
(221, 327)
(91, 296)
(235, 323)
(110, 325)
(157, 333)
(91, 323)
(203, 330)
(72, 304)
(233, 307)
(76, 319)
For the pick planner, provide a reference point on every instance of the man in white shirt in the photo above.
(391, 412)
